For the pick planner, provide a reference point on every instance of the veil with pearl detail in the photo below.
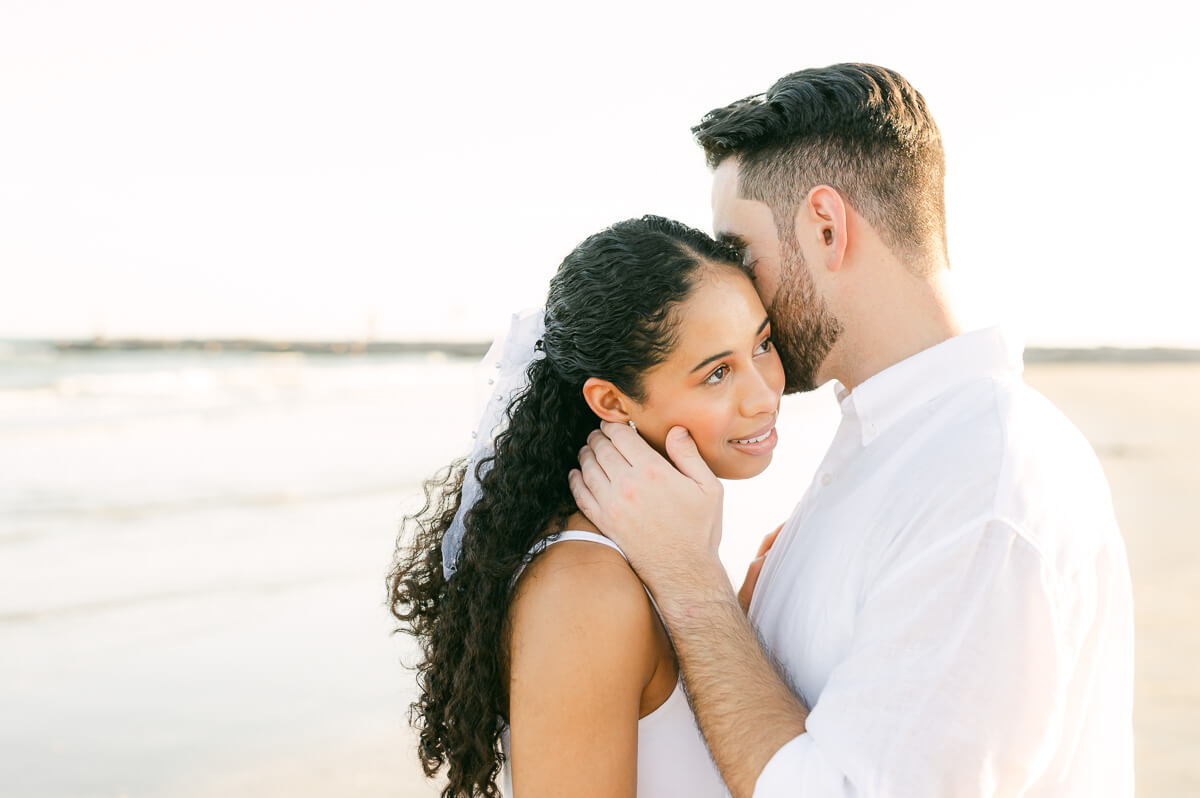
(501, 376)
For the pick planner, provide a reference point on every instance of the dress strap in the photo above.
(579, 534)
(591, 537)
(558, 537)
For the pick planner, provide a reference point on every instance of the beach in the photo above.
(193, 549)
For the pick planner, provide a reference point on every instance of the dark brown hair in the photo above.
(861, 129)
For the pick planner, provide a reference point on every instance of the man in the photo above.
(947, 612)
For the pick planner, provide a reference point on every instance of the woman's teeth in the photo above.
(759, 439)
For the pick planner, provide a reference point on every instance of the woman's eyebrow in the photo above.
(727, 353)
(708, 360)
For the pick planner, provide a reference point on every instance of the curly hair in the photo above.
(609, 314)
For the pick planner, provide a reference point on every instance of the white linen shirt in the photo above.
(951, 597)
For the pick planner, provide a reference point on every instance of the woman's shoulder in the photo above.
(581, 599)
(578, 560)
(584, 574)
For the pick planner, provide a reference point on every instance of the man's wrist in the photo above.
(743, 706)
(692, 595)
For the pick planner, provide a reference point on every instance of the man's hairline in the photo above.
(784, 220)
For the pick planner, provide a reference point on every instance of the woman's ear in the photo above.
(606, 400)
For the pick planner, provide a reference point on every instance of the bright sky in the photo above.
(313, 169)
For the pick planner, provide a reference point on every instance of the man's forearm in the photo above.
(744, 708)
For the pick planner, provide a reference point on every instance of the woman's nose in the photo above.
(759, 396)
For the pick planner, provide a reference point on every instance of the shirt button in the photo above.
(826, 479)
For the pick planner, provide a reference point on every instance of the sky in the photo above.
(399, 170)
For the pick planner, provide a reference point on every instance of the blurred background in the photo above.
(251, 250)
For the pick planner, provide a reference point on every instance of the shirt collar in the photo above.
(882, 400)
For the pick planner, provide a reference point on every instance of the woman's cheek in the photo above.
(710, 432)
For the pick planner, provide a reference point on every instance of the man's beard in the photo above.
(802, 326)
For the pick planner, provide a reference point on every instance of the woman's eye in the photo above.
(717, 375)
(766, 345)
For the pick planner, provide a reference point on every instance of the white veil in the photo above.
(501, 375)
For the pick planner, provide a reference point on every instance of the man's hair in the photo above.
(861, 129)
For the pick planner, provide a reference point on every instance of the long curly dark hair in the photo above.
(609, 314)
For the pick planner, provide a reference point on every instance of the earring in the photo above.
(632, 425)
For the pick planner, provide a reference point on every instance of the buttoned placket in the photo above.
(852, 436)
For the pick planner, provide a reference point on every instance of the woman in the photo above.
(541, 649)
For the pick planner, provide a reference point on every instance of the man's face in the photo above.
(805, 329)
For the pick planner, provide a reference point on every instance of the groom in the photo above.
(947, 611)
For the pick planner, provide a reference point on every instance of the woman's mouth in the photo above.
(759, 439)
(761, 443)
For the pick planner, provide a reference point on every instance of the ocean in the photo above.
(192, 555)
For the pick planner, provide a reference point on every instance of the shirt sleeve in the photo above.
(797, 770)
(952, 682)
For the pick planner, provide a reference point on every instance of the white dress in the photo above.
(672, 757)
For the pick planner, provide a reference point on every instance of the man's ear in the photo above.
(821, 227)
(606, 400)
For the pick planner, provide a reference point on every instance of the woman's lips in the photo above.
(764, 446)
(761, 431)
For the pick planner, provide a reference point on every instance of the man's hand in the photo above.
(667, 519)
(668, 523)
(747, 591)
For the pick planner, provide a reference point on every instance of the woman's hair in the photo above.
(609, 314)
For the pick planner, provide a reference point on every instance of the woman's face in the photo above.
(722, 382)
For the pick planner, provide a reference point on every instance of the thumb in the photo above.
(747, 591)
(686, 457)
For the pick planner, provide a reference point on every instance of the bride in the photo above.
(545, 668)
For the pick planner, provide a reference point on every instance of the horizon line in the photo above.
(477, 348)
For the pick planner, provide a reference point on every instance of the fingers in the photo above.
(750, 582)
(584, 499)
(591, 472)
(768, 541)
(606, 454)
(591, 483)
(631, 445)
(756, 566)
